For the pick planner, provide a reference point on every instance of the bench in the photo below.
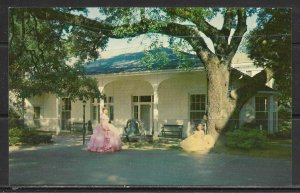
(172, 131)
(76, 126)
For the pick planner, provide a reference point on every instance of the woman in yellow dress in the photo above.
(198, 141)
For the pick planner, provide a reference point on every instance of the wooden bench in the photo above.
(172, 131)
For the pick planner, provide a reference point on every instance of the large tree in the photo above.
(270, 45)
(38, 53)
(189, 24)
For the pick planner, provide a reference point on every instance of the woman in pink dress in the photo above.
(105, 136)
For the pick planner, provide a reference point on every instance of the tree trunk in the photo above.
(220, 105)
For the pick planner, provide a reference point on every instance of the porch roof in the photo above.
(131, 62)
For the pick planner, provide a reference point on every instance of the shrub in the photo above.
(285, 123)
(246, 139)
(14, 119)
(284, 131)
(251, 125)
(27, 136)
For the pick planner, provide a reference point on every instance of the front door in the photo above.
(146, 117)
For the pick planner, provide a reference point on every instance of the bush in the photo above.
(27, 136)
(284, 131)
(13, 118)
(246, 139)
(251, 125)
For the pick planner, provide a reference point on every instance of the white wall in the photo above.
(173, 104)
(173, 93)
(122, 91)
(48, 111)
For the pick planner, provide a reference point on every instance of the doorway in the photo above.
(146, 117)
(65, 114)
(142, 111)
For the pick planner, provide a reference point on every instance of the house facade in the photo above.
(156, 97)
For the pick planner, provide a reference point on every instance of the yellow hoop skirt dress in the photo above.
(197, 142)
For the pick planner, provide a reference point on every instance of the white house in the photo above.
(156, 97)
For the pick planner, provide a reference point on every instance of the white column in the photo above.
(276, 114)
(155, 111)
(58, 116)
(101, 88)
(270, 116)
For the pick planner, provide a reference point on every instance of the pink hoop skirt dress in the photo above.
(105, 137)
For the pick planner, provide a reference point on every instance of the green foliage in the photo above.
(38, 51)
(13, 118)
(284, 130)
(153, 57)
(269, 45)
(246, 139)
(19, 135)
(284, 123)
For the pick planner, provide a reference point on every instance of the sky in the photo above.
(117, 46)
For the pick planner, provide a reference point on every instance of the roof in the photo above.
(131, 62)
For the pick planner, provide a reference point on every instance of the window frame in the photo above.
(138, 103)
(263, 122)
(190, 111)
(34, 112)
(109, 104)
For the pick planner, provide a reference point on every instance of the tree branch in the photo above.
(257, 82)
(238, 34)
(37, 40)
(201, 24)
(228, 19)
(127, 30)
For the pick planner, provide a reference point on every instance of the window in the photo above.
(109, 103)
(94, 112)
(261, 111)
(65, 113)
(136, 112)
(145, 98)
(37, 112)
(137, 101)
(66, 104)
(142, 99)
(197, 107)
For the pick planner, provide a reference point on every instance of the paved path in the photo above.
(71, 164)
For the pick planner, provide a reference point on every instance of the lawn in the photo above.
(274, 149)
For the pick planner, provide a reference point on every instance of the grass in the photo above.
(274, 149)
